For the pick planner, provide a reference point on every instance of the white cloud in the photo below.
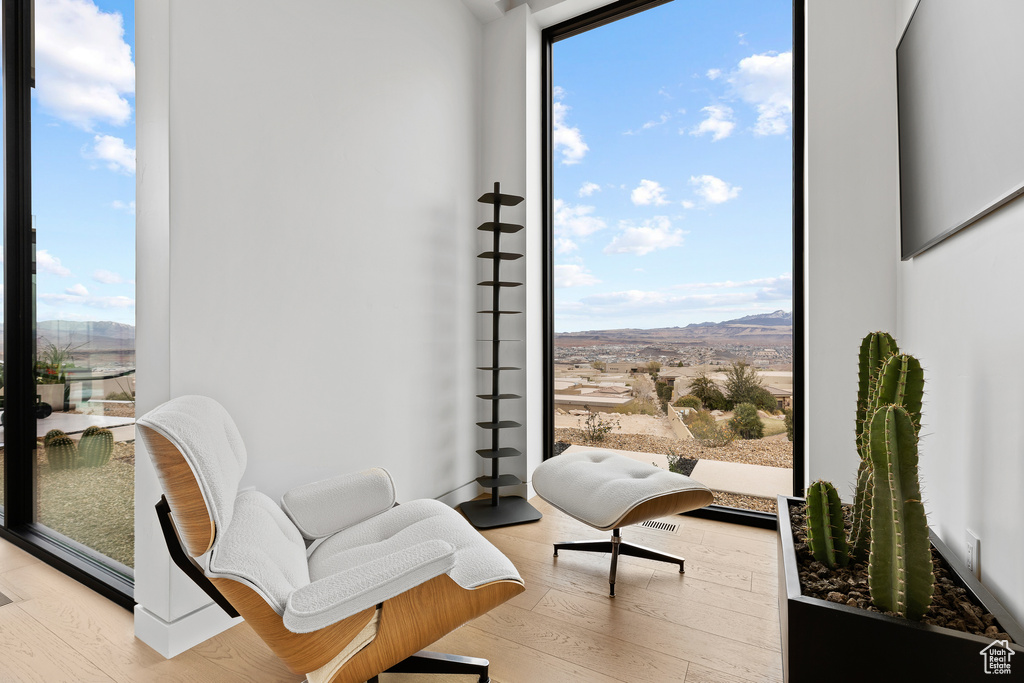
(687, 204)
(84, 67)
(48, 263)
(588, 189)
(573, 276)
(719, 122)
(119, 157)
(762, 289)
(567, 140)
(576, 220)
(651, 235)
(124, 206)
(665, 93)
(714, 74)
(77, 290)
(741, 38)
(90, 301)
(647, 193)
(664, 118)
(714, 190)
(564, 245)
(766, 81)
(107, 277)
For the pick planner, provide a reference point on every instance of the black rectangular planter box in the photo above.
(828, 642)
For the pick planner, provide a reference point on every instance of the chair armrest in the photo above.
(338, 596)
(326, 507)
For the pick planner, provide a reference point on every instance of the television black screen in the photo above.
(960, 75)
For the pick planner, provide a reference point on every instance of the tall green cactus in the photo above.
(96, 447)
(826, 533)
(61, 453)
(900, 574)
(900, 382)
(875, 349)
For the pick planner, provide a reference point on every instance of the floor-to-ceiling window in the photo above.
(671, 265)
(69, 335)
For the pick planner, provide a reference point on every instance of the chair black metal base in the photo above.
(424, 662)
(616, 546)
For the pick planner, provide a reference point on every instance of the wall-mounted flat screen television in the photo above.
(960, 75)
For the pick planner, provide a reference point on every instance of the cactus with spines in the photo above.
(875, 349)
(61, 452)
(900, 573)
(826, 533)
(96, 447)
(900, 382)
(51, 435)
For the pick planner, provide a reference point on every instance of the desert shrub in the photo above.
(119, 396)
(596, 427)
(679, 464)
(653, 368)
(746, 423)
(688, 401)
(599, 365)
(707, 431)
(789, 423)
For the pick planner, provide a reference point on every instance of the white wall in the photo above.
(316, 213)
(852, 216)
(958, 313)
(324, 163)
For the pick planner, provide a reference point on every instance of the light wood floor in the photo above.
(718, 623)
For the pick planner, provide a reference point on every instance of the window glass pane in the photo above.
(673, 243)
(83, 197)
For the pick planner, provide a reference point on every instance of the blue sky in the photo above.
(83, 156)
(673, 155)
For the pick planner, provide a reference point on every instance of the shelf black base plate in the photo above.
(510, 510)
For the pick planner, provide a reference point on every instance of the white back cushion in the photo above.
(207, 436)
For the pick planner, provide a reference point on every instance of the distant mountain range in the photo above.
(762, 328)
(101, 335)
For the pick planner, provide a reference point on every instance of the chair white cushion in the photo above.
(208, 438)
(262, 548)
(477, 562)
(599, 487)
(324, 507)
(343, 594)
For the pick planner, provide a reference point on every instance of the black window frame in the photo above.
(600, 17)
(19, 504)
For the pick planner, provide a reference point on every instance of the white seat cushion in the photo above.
(600, 487)
(477, 562)
(262, 548)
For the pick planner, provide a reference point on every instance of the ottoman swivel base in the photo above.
(616, 546)
(609, 491)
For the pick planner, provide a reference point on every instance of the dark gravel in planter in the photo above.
(560, 447)
(682, 465)
(952, 606)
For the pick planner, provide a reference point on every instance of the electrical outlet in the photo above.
(974, 553)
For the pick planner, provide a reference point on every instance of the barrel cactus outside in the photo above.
(61, 452)
(96, 447)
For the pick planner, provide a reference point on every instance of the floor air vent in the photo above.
(660, 526)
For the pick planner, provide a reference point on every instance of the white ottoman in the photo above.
(610, 491)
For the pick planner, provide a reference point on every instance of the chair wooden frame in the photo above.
(406, 625)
